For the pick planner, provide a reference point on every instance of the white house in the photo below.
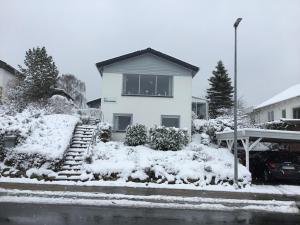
(283, 105)
(147, 87)
(7, 73)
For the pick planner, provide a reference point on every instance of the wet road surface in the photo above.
(33, 214)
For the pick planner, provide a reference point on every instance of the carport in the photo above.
(251, 137)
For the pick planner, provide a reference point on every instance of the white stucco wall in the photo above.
(147, 110)
(5, 77)
(261, 115)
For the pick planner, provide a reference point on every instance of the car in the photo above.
(281, 165)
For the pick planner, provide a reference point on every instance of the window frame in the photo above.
(170, 116)
(121, 114)
(155, 88)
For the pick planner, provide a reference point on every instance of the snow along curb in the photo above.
(153, 201)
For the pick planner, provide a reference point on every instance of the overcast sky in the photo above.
(80, 33)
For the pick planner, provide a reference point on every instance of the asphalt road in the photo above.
(32, 214)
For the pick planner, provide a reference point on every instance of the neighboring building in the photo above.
(147, 87)
(283, 105)
(200, 107)
(94, 103)
(7, 73)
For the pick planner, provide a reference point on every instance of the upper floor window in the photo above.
(147, 85)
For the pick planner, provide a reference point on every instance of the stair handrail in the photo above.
(92, 142)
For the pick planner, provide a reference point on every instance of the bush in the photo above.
(60, 105)
(104, 131)
(168, 138)
(136, 135)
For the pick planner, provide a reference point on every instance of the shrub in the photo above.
(136, 135)
(60, 105)
(104, 131)
(168, 138)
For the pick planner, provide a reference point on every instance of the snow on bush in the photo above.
(104, 131)
(60, 105)
(136, 135)
(168, 138)
(196, 164)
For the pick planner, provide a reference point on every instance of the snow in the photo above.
(291, 92)
(196, 164)
(149, 201)
(50, 136)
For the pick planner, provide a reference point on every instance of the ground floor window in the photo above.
(121, 121)
(296, 113)
(170, 120)
(270, 116)
(283, 112)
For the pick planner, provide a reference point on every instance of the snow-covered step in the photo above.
(72, 167)
(80, 150)
(86, 126)
(80, 142)
(75, 157)
(72, 162)
(81, 139)
(72, 154)
(79, 146)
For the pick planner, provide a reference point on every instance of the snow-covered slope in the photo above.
(291, 92)
(47, 135)
(50, 137)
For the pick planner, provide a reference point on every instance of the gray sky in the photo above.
(80, 33)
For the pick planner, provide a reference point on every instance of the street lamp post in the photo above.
(235, 103)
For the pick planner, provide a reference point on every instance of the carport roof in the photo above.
(276, 136)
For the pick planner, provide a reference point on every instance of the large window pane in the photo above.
(170, 121)
(164, 85)
(131, 84)
(122, 121)
(147, 85)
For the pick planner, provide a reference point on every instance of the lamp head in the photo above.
(238, 20)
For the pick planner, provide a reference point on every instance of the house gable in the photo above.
(147, 61)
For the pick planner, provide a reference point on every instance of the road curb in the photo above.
(150, 191)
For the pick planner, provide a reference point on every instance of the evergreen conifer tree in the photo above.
(220, 92)
(40, 75)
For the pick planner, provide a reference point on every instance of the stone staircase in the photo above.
(74, 158)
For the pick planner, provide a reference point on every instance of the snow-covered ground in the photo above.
(196, 164)
(50, 136)
(145, 201)
(46, 135)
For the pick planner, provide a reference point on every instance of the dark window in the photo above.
(131, 84)
(147, 85)
(164, 85)
(283, 113)
(296, 113)
(270, 116)
(170, 121)
(121, 121)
